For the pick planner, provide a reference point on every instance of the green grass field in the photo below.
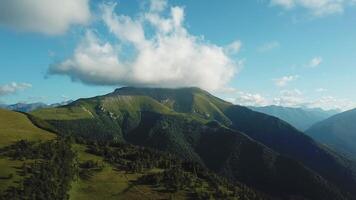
(110, 184)
(16, 126)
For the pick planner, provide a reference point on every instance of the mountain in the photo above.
(14, 127)
(300, 118)
(338, 132)
(36, 164)
(259, 150)
(28, 107)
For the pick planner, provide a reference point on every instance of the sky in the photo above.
(257, 52)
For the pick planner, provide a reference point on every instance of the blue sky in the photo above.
(258, 52)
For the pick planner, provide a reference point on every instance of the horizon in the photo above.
(177, 88)
(285, 53)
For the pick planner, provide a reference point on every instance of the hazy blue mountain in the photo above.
(29, 107)
(26, 107)
(338, 132)
(300, 118)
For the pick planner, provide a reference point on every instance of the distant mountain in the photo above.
(28, 107)
(300, 118)
(338, 132)
(259, 150)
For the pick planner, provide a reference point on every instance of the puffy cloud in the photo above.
(43, 16)
(315, 7)
(93, 62)
(315, 62)
(13, 87)
(269, 46)
(283, 81)
(168, 57)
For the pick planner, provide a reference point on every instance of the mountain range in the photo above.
(300, 118)
(236, 142)
(338, 132)
(28, 107)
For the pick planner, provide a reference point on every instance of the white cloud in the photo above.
(283, 81)
(250, 99)
(315, 62)
(158, 5)
(13, 87)
(289, 98)
(43, 16)
(269, 46)
(234, 47)
(292, 98)
(330, 102)
(315, 7)
(170, 57)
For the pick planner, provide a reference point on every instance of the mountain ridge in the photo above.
(300, 117)
(178, 120)
(337, 132)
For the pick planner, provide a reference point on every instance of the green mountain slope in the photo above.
(16, 126)
(36, 164)
(285, 139)
(300, 118)
(337, 132)
(191, 123)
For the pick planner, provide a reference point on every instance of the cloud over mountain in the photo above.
(164, 53)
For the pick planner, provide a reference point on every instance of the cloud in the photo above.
(164, 54)
(288, 4)
(316, 8)
(289, 98)
(330, 102)
(44, 16)
(158, 5)
(250, 99)
(283, 81)
(13, 87)
(315, 62)
(292, 98)
(234, 47)
(269, 46)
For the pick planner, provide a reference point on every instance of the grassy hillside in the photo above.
(111, 183)
(14, 127)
